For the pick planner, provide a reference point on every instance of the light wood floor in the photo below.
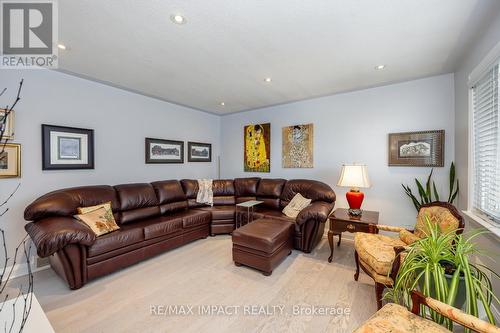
(202, 274)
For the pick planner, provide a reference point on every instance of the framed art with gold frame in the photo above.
(10, 161)
(421, 149)
(8, 125)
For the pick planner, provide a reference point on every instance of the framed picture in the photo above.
(199, 152)
(425, 148)
(7, 124)
(297, 146)
(164, 151)
(257, 149)
(10, 161)
(66, 148)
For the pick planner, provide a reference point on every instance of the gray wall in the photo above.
(121, 120)
(354, 127)
(485, 41)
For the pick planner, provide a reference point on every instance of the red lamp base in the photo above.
(355, 199)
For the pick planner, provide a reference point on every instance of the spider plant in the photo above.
(423, 268)
(429, 193)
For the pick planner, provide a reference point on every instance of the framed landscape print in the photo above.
(297, 146)
(164, 151)
(10, 161)
(7, 124)
(257, 148)
(67, 148)
(199, 152)
(425, 148)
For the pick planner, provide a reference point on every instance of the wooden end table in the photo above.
(341, 221)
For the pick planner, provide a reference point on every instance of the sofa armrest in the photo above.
(52, 234)
(318, 210)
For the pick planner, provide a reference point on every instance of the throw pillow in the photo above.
(100, 220)
(296, 205)
(84, 210)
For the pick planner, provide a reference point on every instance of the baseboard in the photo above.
(22, 270)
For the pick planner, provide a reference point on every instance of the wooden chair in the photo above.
(379, 255)
(396, 318)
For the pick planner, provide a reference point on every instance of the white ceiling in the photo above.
(227, 47)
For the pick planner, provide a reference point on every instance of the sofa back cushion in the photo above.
(137, 202)
(190, 187)
(223, 190)
(269, 191)
(66, 201)
(170, 196)
(310, 189)
(245, 188)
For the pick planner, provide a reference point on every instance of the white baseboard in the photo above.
(22, 270)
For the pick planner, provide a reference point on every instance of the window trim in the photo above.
(476, 74)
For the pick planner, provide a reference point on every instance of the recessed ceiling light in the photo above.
(379, 67)
(61, 46)
(268, 79)
(178, 19)
(222, 103)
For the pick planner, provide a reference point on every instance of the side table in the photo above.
(341, 221)
(249, 205)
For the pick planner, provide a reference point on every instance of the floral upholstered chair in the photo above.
(396, 318)
(376, 253)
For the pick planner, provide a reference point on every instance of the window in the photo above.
(486, 145)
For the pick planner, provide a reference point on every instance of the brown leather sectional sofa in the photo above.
(159, 216)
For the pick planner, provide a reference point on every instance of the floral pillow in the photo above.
(100, 220)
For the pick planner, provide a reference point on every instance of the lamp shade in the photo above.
(354, 175)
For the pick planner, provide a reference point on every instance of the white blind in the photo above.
(486, 146)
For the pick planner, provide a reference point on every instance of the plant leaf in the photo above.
(428, 186)
(436, 195)
(421, 191)
(452, 180)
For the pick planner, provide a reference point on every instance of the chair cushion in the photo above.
(125, 236)
(396, 318)
(436, 214)
(265, 235)
(220, 212)
(377, 250)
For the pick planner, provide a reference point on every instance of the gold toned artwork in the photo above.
(257, 153)
(10, 161)
(7, 124)
(297, 149)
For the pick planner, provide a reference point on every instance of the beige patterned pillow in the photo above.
(100, 220)
(296, 205)
(84, 210)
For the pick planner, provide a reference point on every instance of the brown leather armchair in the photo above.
(378, 255)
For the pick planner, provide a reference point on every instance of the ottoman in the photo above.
(262, 244)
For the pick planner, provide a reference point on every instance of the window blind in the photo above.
(486, 146)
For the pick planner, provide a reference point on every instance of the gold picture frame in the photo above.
(417, 149)
(10, 161)
(9, 124)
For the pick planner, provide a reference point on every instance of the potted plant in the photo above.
(440, 266)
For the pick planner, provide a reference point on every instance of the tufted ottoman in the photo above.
(262, 244)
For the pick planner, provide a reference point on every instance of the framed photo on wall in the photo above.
(199, 152)
(10, 161)
(424, 148)
(164, 151)
(67, 148)
(7, 124)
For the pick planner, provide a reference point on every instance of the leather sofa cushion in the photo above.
(66, 201)
(134, 196)
(190, 187)
(220, 212)
(246, 187)
(245, 198)
(170, 196)
(224, 200)
(310, 189)
(265, 235)
(125, 236)
(161, 226)
(193, 218)
(138, 214)
(274, 214)
(269, 191)
(223, 187)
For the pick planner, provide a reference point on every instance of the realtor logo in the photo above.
(29, 34)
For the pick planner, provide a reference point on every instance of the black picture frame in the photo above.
(47, 153)
(148, 150)
(191, 157)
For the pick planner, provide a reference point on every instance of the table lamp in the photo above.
(354, 176)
